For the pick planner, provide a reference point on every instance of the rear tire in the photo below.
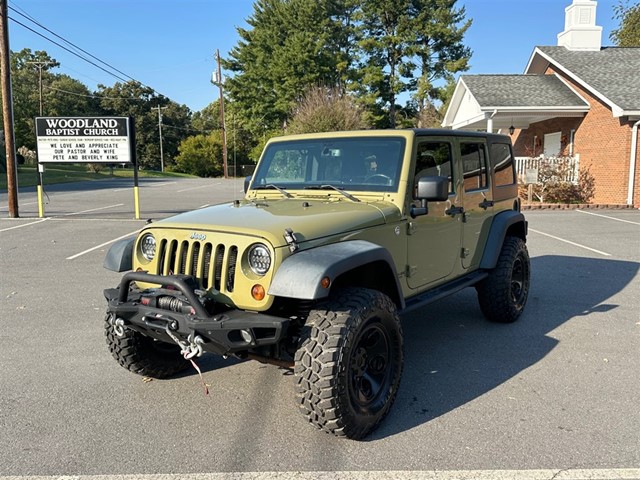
(144, 355)
(503, 294)
(349, 363)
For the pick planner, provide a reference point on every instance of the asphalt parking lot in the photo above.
(556, 393)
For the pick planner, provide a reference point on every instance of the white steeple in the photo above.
(580, 29)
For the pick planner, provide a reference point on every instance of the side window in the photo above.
(434, 159)
(474, 165)
(504, 172)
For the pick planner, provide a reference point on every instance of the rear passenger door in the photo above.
(477, 201)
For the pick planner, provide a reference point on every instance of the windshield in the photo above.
(355, 163)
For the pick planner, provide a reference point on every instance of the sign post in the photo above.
(85, 140)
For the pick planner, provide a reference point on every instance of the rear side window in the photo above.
(474, 165)
(504, 172)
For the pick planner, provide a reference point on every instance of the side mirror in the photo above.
(430, 189)
(247, 182)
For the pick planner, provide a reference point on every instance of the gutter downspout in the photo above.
(633, 158)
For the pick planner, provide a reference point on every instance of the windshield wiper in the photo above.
(331, 187)
(271, 186)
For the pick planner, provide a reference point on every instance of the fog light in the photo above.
(257, 292)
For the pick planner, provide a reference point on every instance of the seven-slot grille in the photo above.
(213, 265)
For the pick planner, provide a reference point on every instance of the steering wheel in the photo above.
(379, 179)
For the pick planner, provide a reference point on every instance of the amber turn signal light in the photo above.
(257, 292)
(325, 282)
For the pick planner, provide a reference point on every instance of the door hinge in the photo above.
(464, 252)
(411, 228)
(411, 270)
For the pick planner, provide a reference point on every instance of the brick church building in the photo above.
(576, 99)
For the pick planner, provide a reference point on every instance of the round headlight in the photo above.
(259, 259)
(148, 246)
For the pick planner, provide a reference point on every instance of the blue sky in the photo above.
(170, 44)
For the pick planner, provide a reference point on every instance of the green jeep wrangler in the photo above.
(337, 235)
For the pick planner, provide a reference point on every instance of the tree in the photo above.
(207, 119)
(385, 26)
(326, 110)
(438, 29)
(25, 89)
(628, 34)
(201, 155)
(66, 96)
(287, 49)
(142, 102)
(411, 45)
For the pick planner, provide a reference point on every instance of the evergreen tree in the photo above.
(289, 47)
(437, 31)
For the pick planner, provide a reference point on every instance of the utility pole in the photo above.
(160, 131)
(7, 111)
(220, 82)
(40, 65)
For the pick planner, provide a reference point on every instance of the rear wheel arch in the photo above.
(507, 223)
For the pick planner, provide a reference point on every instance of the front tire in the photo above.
(144, 355)
(349, 363)
(503, 294)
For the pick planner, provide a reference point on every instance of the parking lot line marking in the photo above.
(93, 210)
(571, 243)
(607, 216)
(73, 257)
(23, 225)
(159, 184)
(568, 474)
(196, 188)
(6, 207)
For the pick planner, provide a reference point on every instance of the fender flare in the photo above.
(501, 224)
(300, 274)
(119, 258)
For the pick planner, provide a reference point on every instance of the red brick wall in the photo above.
(603, 142)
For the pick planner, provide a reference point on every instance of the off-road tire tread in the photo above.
(494, 292)
(133, 352)
(331, 326)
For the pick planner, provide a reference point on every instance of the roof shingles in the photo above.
(612, 71)
(522, 91)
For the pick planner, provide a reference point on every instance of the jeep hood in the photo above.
(268, 219)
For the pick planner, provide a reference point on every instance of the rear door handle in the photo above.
(453, 211)
(486, 204)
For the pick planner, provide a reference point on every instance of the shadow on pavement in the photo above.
(453, 355)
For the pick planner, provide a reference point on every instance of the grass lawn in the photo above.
(55, 173)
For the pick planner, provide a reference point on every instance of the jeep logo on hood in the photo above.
(198, 236)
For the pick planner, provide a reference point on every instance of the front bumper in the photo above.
(229, 332)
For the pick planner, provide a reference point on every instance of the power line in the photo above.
(24, 14)
(101, 97)
(31, 19)
(68, 50)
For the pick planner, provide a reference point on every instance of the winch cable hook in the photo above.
(190, 350)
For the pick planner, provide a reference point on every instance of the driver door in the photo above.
(434, 239)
